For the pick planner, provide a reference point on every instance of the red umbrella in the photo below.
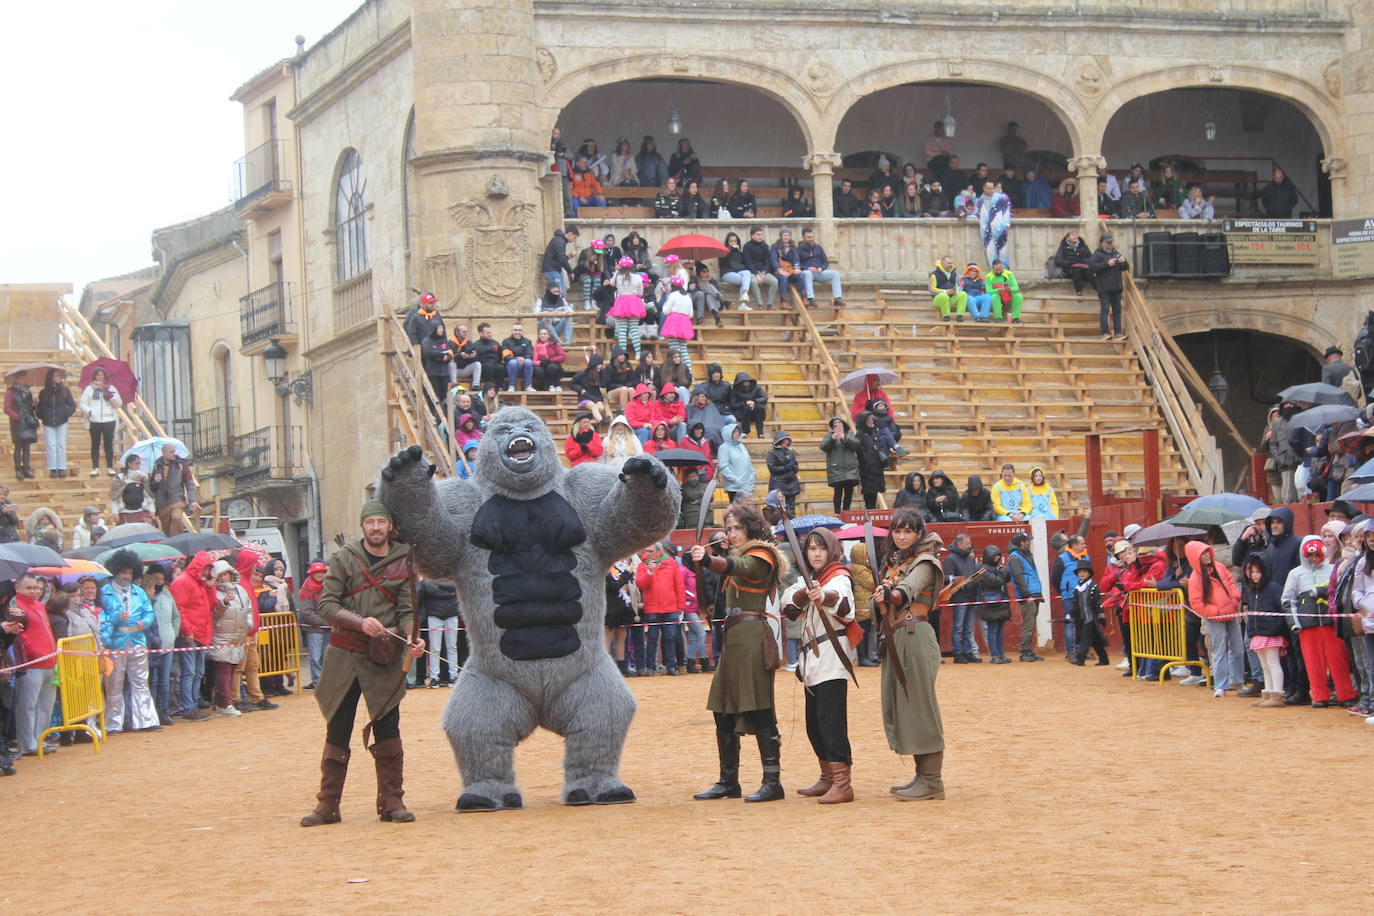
(693, 247)
(120, 375)
(1358, 443)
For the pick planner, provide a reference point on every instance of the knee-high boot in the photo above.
(770, 743)
(727, 746)
(333, 770)
(390, 758)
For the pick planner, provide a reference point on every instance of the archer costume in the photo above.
(820, 668)
(911, 712)
(359, 585)
(742, 688)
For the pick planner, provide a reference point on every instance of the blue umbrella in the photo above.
(1238, 503)
(1364, 493)
(1314, 418)
(151, 449)
(805, 524)
(1364, 473)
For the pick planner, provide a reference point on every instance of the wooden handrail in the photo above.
(409, 388)
(78, 335)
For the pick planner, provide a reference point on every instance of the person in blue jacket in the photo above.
(1075, 549)
(126, 617)
(1025, 579)
(733, 464)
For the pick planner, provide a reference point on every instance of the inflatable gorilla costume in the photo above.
(529, 542)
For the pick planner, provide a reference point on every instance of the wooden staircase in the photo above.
(970, 396)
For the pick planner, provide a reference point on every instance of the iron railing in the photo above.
(266, 313)
(270, 453)
(260, 173)
(213, 433)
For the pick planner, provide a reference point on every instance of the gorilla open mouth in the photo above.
(520, 450)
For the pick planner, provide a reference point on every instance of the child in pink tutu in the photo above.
(677, 321)
(628, 307)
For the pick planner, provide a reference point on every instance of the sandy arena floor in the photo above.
(1071, 790)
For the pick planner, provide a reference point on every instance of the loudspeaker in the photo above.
(1157, 255)
(1216, 257)
(1187, 253)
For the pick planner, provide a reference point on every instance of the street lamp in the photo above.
(1209, 129)
(301, 387)
(1218, 386)
(950, 123)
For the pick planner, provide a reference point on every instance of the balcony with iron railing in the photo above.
(260, 184)
(269, 455)
(212, 435)
(266, 314)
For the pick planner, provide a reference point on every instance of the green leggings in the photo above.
(960, 300)
(1017, 300)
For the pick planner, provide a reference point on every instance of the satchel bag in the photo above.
(786, 268)
(384, 648)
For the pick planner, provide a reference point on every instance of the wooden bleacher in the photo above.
(970, 396)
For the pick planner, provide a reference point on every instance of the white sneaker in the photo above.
(95, 472)
(1218, 693)
(1369, 721)
(744, 307)
(1191, 680)
(229, 711)
(1123, 666)
(1179, 671)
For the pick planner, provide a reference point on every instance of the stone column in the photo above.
(479, 164)
(1335, 169)
(1086, 169)
(822, 166)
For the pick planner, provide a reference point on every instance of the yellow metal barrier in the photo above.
(78, 672)
(1158, 621)
(279, 645)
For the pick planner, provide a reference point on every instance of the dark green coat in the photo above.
(347, 589)
(841, 459)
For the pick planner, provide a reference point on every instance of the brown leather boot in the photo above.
(1273, 699)
(840, 791)
(928, 785)
(390, 758)
(333, 770)
(822, 785)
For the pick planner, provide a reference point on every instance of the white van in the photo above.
(264, 531)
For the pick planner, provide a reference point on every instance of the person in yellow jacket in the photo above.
(1011, 498)
(1043, 502)
(945, 291)
(1005, 291)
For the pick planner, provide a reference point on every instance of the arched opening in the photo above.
(736, 131)
(1255, 366)
(897, 122)
(1228, 142)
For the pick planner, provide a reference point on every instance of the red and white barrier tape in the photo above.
(30, 663)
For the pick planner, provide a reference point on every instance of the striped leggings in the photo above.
(627, 327)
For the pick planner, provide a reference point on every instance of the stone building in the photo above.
(409, 149)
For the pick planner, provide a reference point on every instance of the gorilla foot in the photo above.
(615, 795)
(621, 795)
(471, 801)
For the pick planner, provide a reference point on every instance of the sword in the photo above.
(705, 514)
(888, 647)
(840, 649)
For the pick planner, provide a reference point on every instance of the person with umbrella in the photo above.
(100, 402)
(174, 491)
(55, 408)
(23, 419)
(129, 497)
(34, 690)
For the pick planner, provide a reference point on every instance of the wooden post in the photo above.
(1259, 482)
(1092, 459)
(1150, 445)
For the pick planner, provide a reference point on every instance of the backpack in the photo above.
(1364, 348)
(132, 496)
(1351, 386)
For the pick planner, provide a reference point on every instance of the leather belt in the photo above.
(348, 641)
(736, 612)
(908, 619)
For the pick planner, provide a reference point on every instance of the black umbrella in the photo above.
(194, 542)
(1314, 418)
(1315, 393)
(681, 457)
(16, 558)
(1162, 533)
(87, 553)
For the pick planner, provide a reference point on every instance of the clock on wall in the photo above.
(239, 508)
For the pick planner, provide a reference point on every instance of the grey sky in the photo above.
(118, 120)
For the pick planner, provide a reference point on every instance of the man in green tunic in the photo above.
(742, 689)
(367, 592)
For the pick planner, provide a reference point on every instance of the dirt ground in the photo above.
(1071, 789)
